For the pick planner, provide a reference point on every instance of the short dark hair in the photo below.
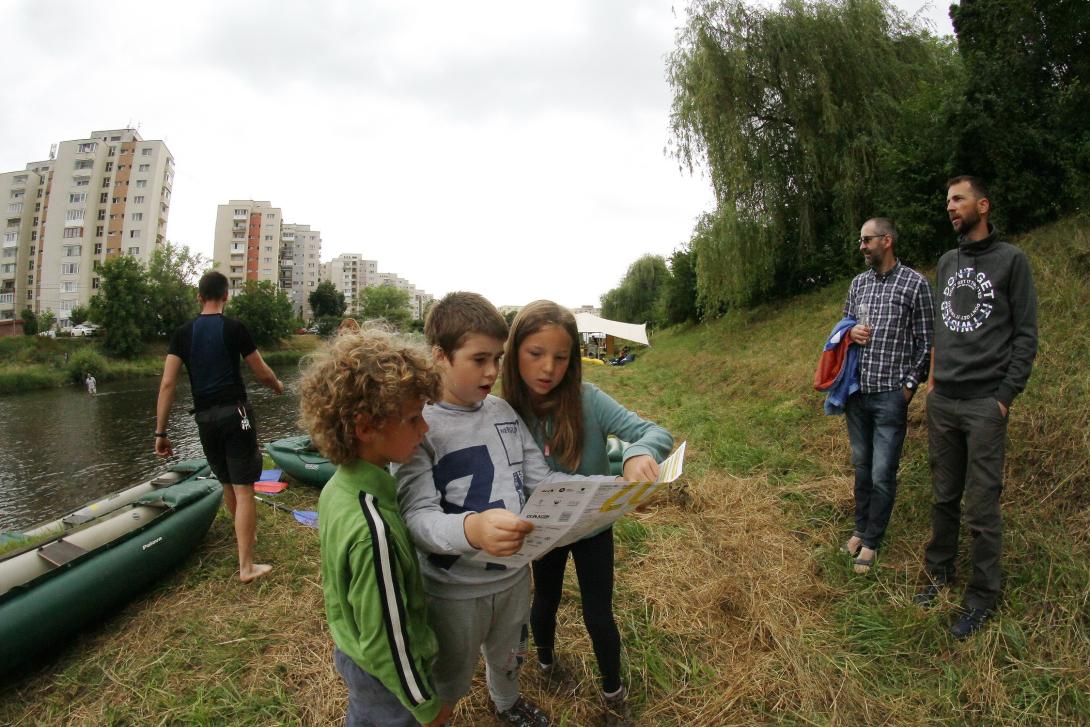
(885, 226)
(213, 286)
(976, 183)
(459, 315)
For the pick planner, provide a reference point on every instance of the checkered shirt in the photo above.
(901, 312)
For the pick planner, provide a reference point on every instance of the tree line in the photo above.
(811, 117)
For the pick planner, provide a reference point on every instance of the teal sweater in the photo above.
(374, 596)
(603, 416)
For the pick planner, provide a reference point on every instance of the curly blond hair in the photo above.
(370, 373)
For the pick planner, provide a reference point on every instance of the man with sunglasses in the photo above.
(895, 312)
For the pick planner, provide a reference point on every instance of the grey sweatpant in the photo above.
(967, 439)
(495, 626)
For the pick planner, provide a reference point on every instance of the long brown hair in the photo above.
(564, 404)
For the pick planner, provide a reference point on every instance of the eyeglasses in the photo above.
(863, 239)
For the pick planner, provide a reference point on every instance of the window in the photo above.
(81, 182)
(112, 150)
(104, 198)
(84, 164)
(20, 179)
(30, 280)
(101, 215)
(98, 246)
(94, 283)
(145, 167)
(141, 183)
(15, 207)
(134, 251)
(18, 193)
(134, 234)
(105, 181)
(109, 166)
(70, 232)
(67, 306)
(74, 215)
(145, 152)
(86, 148)
(137, 216)
(77, 198)
(138, 199)
(69, 268)
(73, 250)
(240, 212)
(7, 268)
(69, 286)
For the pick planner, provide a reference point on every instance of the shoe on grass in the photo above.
(861, 564)
(617, 713)
(524, 713)
(558, 678)
(926, 596)
(970, 621)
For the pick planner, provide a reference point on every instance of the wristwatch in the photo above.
(910, 385)
(161, 434)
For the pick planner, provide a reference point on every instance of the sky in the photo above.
(515, 150)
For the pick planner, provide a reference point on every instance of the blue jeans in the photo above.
(876, 429)
(370, 703)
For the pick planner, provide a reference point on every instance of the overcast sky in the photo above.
(499, 147)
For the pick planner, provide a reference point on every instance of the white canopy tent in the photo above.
(629, 331)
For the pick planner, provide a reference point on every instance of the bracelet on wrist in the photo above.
(161, 434)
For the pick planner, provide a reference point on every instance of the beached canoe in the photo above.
(298, 458)
(82, 567)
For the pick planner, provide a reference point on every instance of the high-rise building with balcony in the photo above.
(20, 195)
(247, 241)
(92, 200)
(350, 273)
(300, 266)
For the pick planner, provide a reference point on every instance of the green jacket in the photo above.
(374, 597)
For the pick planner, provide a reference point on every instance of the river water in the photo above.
(64, 447)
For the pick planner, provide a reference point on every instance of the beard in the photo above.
(968, 221)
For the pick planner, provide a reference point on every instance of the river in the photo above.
(64, 447)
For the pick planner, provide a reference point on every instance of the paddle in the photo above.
(306, 517)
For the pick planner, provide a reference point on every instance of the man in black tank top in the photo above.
(211, 346)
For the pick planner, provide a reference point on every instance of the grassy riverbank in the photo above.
(38, 362)
(734, 604)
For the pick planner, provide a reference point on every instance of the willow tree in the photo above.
(789, 111)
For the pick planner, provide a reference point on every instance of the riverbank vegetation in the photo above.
(734, 604)
(37, 362)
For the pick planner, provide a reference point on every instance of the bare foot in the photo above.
(253, 572)
(852, 546)
(864, 562)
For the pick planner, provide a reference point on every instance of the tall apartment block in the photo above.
(350, 273)
(247, 241)
(92, 200)
(300, 266)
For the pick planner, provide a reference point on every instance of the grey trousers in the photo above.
(370, 703)
(967, 440)
(495, 626)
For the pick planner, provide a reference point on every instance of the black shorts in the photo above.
(232, 452)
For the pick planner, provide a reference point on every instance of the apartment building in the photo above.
(21, 194)
(300, 265)
(350, 273)
(246, 245)
(93, 199)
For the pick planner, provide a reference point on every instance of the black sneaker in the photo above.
(927, 596)
(970, 621)
(617, 713)
(525, 713)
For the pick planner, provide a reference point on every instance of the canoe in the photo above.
(98, 557)
(303, 462)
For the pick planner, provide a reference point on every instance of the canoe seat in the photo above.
(78, 518)
(169, 478)
(60, 552)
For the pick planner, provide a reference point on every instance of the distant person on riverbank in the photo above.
(985, 345)
(211, 346)
(894, 308)
(361, 403)
(92, 384)
(570, 420)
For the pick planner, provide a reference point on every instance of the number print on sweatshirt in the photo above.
(464, 479)
(967, 300)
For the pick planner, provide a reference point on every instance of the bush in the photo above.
(85, 361)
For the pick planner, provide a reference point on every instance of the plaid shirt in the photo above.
(901, 312)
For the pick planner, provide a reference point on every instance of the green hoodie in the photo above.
(374, 597)
(986, 320)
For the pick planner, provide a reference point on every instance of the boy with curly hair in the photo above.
(361, 402)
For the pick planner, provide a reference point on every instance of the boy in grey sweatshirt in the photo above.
(461, 493)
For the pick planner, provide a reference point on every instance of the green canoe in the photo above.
(82, 567)
(298, 458)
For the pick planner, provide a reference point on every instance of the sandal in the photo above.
(847, 550)
(861, 566)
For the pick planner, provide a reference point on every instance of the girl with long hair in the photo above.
(570, 420)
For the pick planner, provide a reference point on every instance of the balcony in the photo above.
(8, 244)
(7, 298)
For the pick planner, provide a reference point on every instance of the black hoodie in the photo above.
(986, 320)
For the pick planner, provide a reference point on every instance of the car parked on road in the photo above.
(85, 329)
